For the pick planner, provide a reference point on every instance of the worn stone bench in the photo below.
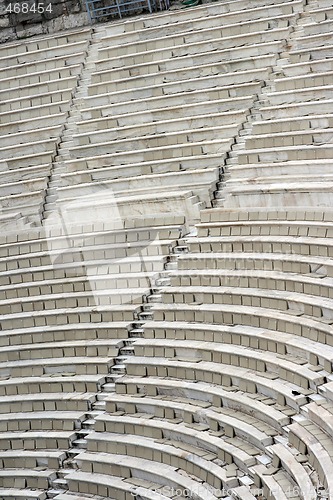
(191, 459)
(131, 467)
(11, 118)
(167, 107)
(110, 487)
(260, 361)
(46, 384)
(293, 302)
(293, 124)
(25, 459)
(42, 65)
(21, 104)
(233, 423)
(156, 129)
(225, 450)
(15, 493)
(274, 485)
(107, 57)
(224, 20)
(51, 366)
(44, 41)
(265, 409)
(202, 181)
(48, 402)
(224, 374)
(295, 109)
(239, 60)
(26, 479)
(41, 54)
(97, 348)
(193, 136)
(187, 73)
(32, 89)
(246, 315)
(34, 421)
(282, 457)
(308, 439)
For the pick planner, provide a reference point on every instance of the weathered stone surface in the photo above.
(63, 15)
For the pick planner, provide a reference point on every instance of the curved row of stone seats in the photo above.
(257, 278)
(195, 351)
(294, 124)
(292, 302)
(212, 139)
(275, 484)
(56, 402)
(11, 94)
(43, 54)
(31, 459)
(139, 468)
(116, 488)
(189, 458)
(66, 381)
(299, 95)
(229, 450)
(187, 74)
(51, 374)
(44, 42)
(296, 73)
(26, 479)
(290, 321)
(279, 171)
(284, 345)
(230, 421)
(98, 119)
(107, 57)
(288, 392)
(310, 440)
(12, 118)
(7, 74)
(187, 67)
(295, 110)
(80, 365)
(32, 85)
(41, 421)
(276, 415)
(182, 203)
(292, 463)
(96, 256)
(65, 332)
(134, 31)
(56, 440)
(26, 138)
(233, 313)
(14, 494)
(126, 144)
(25, 103)
(79, 348)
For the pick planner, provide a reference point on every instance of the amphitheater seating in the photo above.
(165, 257)
(118, 156)
(302, 141)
